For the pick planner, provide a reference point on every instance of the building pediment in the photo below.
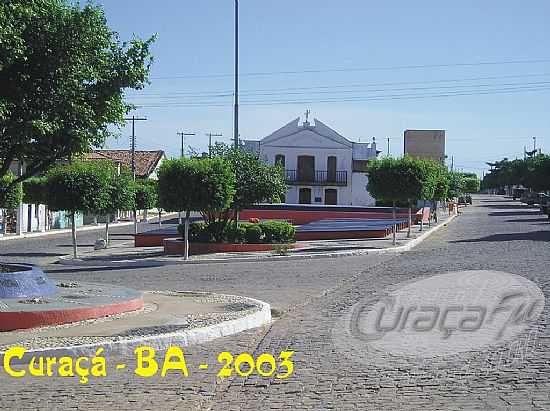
(318, 135)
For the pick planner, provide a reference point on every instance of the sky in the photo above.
(479, 70)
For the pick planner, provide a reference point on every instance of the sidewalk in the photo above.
(126, 255)
(56, 231)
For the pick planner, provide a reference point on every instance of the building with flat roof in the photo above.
(428, 144)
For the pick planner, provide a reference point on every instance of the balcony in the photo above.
(316, 178)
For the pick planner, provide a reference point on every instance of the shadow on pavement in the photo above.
(513, 213)
(529, 220)
(531, 236)
(31, 254)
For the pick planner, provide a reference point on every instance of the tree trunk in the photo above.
(107, 218)
(410, 220)
(186, 236)
(160, 218)
(394, 225)
(145, 215)
(73, 235)
(135, 222)
(236, 218)
(179, 217)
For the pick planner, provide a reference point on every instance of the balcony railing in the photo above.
(324, 178)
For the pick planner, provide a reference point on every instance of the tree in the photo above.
(206, 185)
(63, 72)
(81, 186)
(538, 173)
(471, 184)
(255, 180)
(120, 193)
(35, 190)
(404, 179)
(441, 189)
(10, 195)
(146, 195)
(456, 184)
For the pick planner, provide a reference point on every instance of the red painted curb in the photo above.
(17, 320)
(174, 246)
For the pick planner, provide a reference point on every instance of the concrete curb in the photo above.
(335, 254)
(160, 341)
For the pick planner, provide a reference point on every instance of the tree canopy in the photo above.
(402, 179)
(196, 184)
(10, 195)
(255, 180)
(532, 172)
(81, 186)
(146, 194)
(63, 72)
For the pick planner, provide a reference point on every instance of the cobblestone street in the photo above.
(309, 297)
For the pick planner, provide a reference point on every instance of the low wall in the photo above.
(175, 246)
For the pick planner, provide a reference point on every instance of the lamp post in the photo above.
(236, 103)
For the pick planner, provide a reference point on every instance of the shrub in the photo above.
(235, 235)
(253, 233)
(278, 231)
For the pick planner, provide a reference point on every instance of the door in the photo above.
(304, 196)
(331, 169)
(306, 168)
(331, 196)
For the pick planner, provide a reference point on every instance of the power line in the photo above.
(392, 97)
(524, 84)
(227, 93)
(354, 69)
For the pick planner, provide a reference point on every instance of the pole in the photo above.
(388, 146)
(534, 144)
(210, 135)
(133, 157)
(236, 108)
(452, 163)
(183, 134)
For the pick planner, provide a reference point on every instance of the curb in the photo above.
(336, 254)
(162, 341)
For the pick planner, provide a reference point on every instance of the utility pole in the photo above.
(452, 163)
(133, 119)
(210, 135)
(534, 144)
(133, 155)
(388, 146)
(183, 134)
(236, 108)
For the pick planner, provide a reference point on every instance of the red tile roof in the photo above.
(146, 161)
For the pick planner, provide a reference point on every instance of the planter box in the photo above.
(26, 281)
(175, 246)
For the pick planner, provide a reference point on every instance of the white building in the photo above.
(321, 166)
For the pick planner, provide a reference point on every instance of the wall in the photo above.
(425, 144)
(360, 195)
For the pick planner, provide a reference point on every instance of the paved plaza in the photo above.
(308, 298)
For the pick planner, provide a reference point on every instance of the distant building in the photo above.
(147, 162)
(428, 144)
(321, 166)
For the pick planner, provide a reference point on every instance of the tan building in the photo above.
(425, 144)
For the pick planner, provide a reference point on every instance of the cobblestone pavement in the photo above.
(494, 234)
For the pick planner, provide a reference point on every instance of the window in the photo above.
(331, 169)
(331, 196)
(304, 196)
(280, 160)
(360, 165)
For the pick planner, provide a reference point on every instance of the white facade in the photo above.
(321, 166)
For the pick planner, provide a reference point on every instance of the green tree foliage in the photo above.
(255, 180)
(205, 185)
(471, 183)
(456, 184)
(404, 179)
(532, 172)
(10, 194)
(35, 190)
(146, 194)
(120, 190)
(63, 72)
(81, 186)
